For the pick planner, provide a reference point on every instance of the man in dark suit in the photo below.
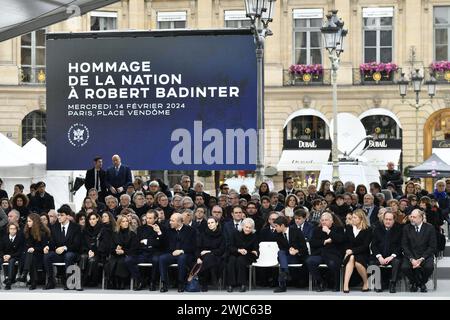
(326, 248)
(371, 209)
(150, 244)
(386, 247)
(186, 186)
(419, 246)
(65, 245)
(268, 232)
(293, 249)
(41, 201)
(300, 222)
(12, 245)
(96, 179)
(181, 243)
(231, 226)
(117, 177)
(288, 187)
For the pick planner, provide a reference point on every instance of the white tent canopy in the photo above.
(31, 160)
(37, 150)
(13, 162)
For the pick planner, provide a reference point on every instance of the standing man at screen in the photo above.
(118, 177)
(96, 179)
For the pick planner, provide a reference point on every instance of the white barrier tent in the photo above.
(26, 165)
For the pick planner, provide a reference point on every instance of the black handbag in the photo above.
(193, 284)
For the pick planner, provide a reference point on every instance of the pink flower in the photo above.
(301, 69)
(378, 67)
(440, 66)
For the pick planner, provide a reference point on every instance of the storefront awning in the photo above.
(303, 160)
(306, 112)
(18, 17)
(380, 112)
(379, 158)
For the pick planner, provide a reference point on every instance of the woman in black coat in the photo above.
(105, 237)
(210, 250)
(124, 247)
(20, 203)
(90, 257)
(358, 236)
(37, 236)
(243, 251)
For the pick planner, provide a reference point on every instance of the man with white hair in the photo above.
(419, 245)
(393, 176)
(13, 217)
(125, 202)
(118, 176)
(199, 188)
(181, 246)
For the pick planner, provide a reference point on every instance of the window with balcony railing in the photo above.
(307, 36)
(32, 57)
(441, 33)
(378, 34)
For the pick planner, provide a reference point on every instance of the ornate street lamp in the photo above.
(333, 35)
(416, 83)
(260, 13)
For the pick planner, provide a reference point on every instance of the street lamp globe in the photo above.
(403, 85)
(255, 8)
(267, 15)
(417, 81)
(342, 34)
(330, 32)
(431, 86)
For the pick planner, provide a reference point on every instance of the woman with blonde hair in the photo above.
(124, 247)
(357, 252)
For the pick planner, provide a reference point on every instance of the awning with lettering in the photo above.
(303, 160)
(380, 157)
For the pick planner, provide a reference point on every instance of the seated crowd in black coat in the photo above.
(349, 229)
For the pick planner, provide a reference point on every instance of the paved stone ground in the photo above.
(442, 292)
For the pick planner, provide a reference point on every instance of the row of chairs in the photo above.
(268, 258)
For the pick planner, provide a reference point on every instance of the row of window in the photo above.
(377, 35)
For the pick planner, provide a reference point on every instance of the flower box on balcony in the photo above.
(441, 70)
(377, 72)
(306, 73)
